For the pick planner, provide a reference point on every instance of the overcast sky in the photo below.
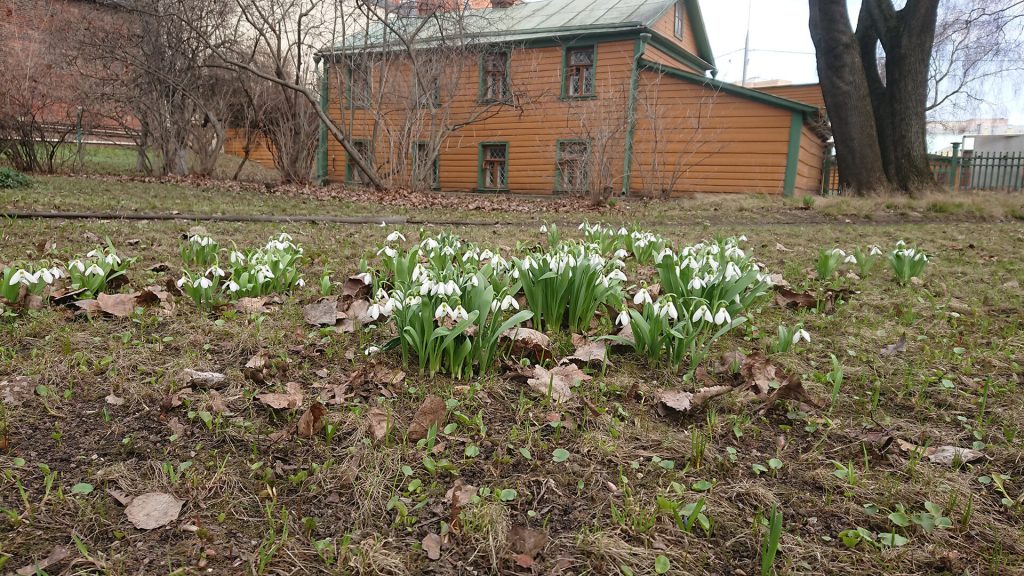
(781, 47)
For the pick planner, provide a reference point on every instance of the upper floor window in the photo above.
(579, 71)
(495, 77)
(678, 29)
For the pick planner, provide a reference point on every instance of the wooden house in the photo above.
(559, 96)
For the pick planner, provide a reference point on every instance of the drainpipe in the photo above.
(321, 151)
(634, 85)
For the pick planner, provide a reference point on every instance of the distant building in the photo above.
(942, 133)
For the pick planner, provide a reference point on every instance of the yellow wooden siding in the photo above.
(812, 152)
(234, 144)
(666, 26)
(806, 93)
(660, 57)
(690, 138)
(531, 128)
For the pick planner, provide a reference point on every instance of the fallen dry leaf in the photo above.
(781, 248)
(359, 312)
(173, 400)
(778, 280)
(290, 400)
(460, 494)
(894, 349)
(355, 288)
(433, 412)
(527, 343)
(759, 373)
(380, 423)
(256, 368)
(117, 305)
(792, 388)
(177, 428)
(952, 455)
(525, 543)
(587, 353)
(787, 298)
(557, 382)
(683, 402)
(217, 403)
(321, 313)
(191, 377)
(312, 421)
(57, 555)
(252, 305)
(153, 510)
(120, 496)
(432, 546)
(114, 400)
(16, 391)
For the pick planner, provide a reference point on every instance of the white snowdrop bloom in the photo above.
(669, 309)
(642, 297)
(300, 282)
(837, 252)
(620, 254)
(488, 255)
(661, 255)
(364, 277)
(734, 251)
(732, 272)
(722, 316)
(77, 265)
(508, 302)
(851, 259)
(94, 270)
(45, 275)
(448, 251)
(900, 243)
(761, 277)
(617, 263)
(202, 282)
(418, 272)
(714, 249)
(641, 243)
(382, 295)
(451, 288)
(543, 229)
(426, 287)
(801, 334)
(215, 271)
(57, 272)
(617, 275)
(95, 253)
(236, 258)
(232, 286)
(264, 273)
(395, 236)
(429, 244)
(24, 277)
(582, 226)
(181, 281)
(442, 311)
(459, 314)
(695, 283)
(112, 260)
(623, 318)
(742, 238)
(388, 251)
(474, 281)
(691, 263)
(623, 231)
(371, 350)
(702, 313)
(875, 251)
(413, 301)
(391, 306)
(374, 311)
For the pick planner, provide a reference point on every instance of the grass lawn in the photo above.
(97, 410)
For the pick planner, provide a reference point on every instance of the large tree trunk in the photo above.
(847, 98)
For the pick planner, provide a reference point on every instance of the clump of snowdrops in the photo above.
(907, 262)
(94, 272)
(30, 276)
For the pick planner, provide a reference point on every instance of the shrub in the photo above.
(11, 179)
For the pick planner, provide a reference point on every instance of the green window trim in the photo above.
(350, 103)
(558, 163)
(350, 166)
(436, 184)
(571, 47)
(480, 167)
(481, 90)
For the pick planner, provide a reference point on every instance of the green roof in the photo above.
(543, 19)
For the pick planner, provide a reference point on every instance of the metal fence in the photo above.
(961, 172)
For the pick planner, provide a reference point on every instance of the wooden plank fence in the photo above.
(970, 171)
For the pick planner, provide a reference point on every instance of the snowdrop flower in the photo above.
(515, 273)
(661, 255)
(94, 270)
(451, 288)
(443, 310)
(46, 275)
(733, 251)
(371, 350)
(23, 276)
(374, 311)
(722, 316)
(801, 334)
(623, 318)
(300, 282)
(459, 313)
(508, 302)
(695, 284)
(232, 286)
(875, 251)
(364, 277)
(543, 229)
(202, 282)
(702, 313)
(616, 275)
(390, 306)
(691, 263)
(77, 265)
(732, 272)
(413, 301)
(181, 281)
(395, 236)
(236, 258)
(427, 287)
(95, 253)
(642, 297)
(851, 259)
(620, 254)
(215, 271)
(112, 259)
(429, 244)
(487, 255)
(742, 238)
(474, 281)
(623, 231)
(668, 309)
(388, 251)
(263, 273)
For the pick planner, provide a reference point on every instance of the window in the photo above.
(359, 88)
(573, 165)
(425, 173)
(680, 8)
(353, 174)
(495, 77)
(428, 90)
(579, 72)
(494, 166)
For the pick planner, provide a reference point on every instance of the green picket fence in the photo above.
(969, 171)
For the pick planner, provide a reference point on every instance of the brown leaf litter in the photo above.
(433, 412)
